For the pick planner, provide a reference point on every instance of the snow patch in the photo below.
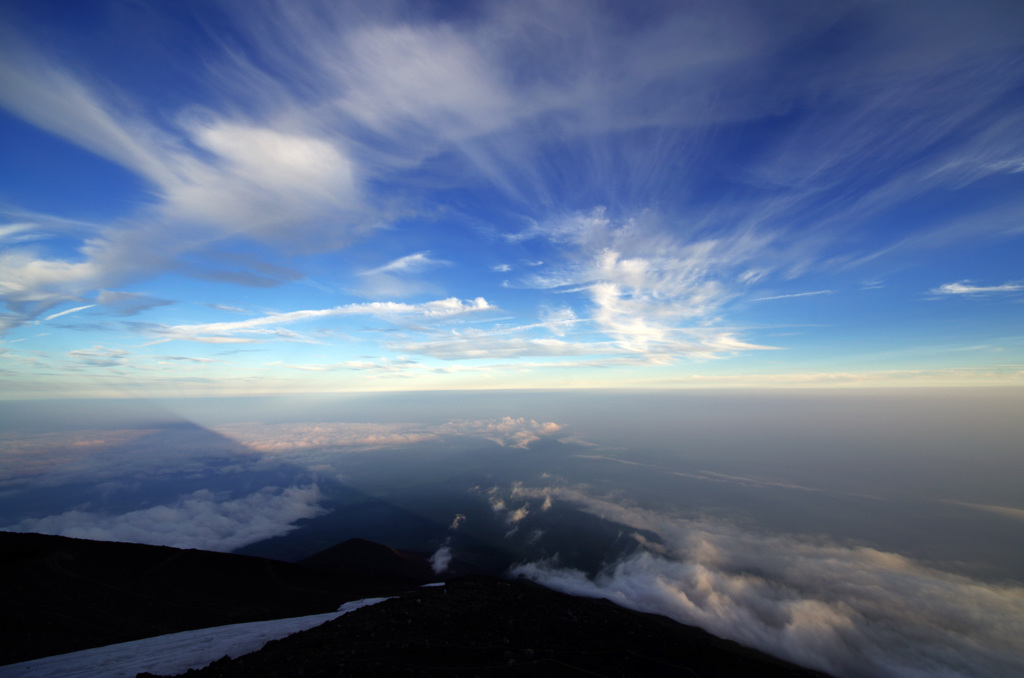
(173, 653)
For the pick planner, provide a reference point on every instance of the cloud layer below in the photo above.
(516, 432)
(200, 520)
(852, 611)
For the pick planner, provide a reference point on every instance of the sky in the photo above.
(629, 296)
(226, 198)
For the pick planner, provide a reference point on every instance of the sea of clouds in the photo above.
(849, 610)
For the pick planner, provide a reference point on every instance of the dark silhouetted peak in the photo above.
(361, 556)
(365, 557)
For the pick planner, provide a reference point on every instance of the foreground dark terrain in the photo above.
(486, 626)
(59, 595)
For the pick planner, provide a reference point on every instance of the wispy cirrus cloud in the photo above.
(411, 263)
(430, 89)
(324, 125)
(794, 296)
(400, 277)
(650, 291)
(1005, 511)
(383, 365)
(249, 177)
(68, 311)
(468, 344)
(481, 344)
(20, 233)
(211, 177)
(241, 331)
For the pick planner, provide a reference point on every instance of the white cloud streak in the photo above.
(966, 288)
(228, 332)
(410, 263)
(400, 277)
(69, 311)
(794, 296)
(15, 233)
(480, 344)
(1004, 511)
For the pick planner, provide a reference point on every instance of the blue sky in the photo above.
(222, 198)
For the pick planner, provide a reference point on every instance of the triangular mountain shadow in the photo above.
(354, 515)
(168, 460)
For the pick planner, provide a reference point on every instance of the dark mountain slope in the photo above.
(475, 626)
(60, 595)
